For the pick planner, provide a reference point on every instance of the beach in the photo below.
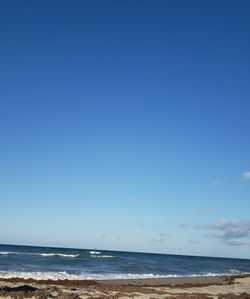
(28, 272)
(228, 287)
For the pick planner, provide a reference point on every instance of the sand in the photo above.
(157, 288)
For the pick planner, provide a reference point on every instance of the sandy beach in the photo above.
(176, 288)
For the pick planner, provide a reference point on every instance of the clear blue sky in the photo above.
(126, 125)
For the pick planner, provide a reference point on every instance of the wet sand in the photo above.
(232, 287)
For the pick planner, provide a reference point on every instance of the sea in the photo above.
(65, 263)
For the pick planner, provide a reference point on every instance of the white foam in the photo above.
(233, 271)
(65, 275)
(102, 256)
(38, 254)
(90, 276)
(95, 252)
(59, 254)
(6, 252)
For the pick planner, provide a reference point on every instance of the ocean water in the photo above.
(64, 263)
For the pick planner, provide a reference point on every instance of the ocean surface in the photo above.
(64, 263)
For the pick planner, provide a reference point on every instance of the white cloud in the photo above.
(234, 233)
(235, 242)
(246, 175)
(232, 230)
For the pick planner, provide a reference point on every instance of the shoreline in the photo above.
(200, 287)
(154, 281)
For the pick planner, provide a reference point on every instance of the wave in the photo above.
(98, 254)
(84, 276)
(102, 256)
(4, 252)
(91, 276)
(95, 252)
(59, 254)
(38, 254)
(234, 271)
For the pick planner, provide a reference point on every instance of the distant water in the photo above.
(62, 263)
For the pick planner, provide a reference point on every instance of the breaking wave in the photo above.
(98, 254)
(6, 252)
(59, 254)
(102, 256)
(39, 254)
(64, 275)
(89, 276)
(95, 252)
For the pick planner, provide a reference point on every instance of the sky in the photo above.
(125, 125)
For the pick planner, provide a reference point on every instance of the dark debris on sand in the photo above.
(34, 289)
(26, 291)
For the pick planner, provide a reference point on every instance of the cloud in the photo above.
(160, 238)
(234, 233)
(233, 229)
(235, 242)
(246, 175)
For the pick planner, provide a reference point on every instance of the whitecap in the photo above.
(38, 254)
(59, 254)
(64, 275)
(5, 252)
(102, 256)
(9, 252)
(234, 271)
(95, 252)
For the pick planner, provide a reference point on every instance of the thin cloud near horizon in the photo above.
(246, 175)
(231, 232)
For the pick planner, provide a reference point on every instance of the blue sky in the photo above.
(125, 125)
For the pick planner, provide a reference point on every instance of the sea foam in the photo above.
(64, 275)
(6, 252)
(39, 254)
(95, 252)
(90, 276)
(59, 254)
